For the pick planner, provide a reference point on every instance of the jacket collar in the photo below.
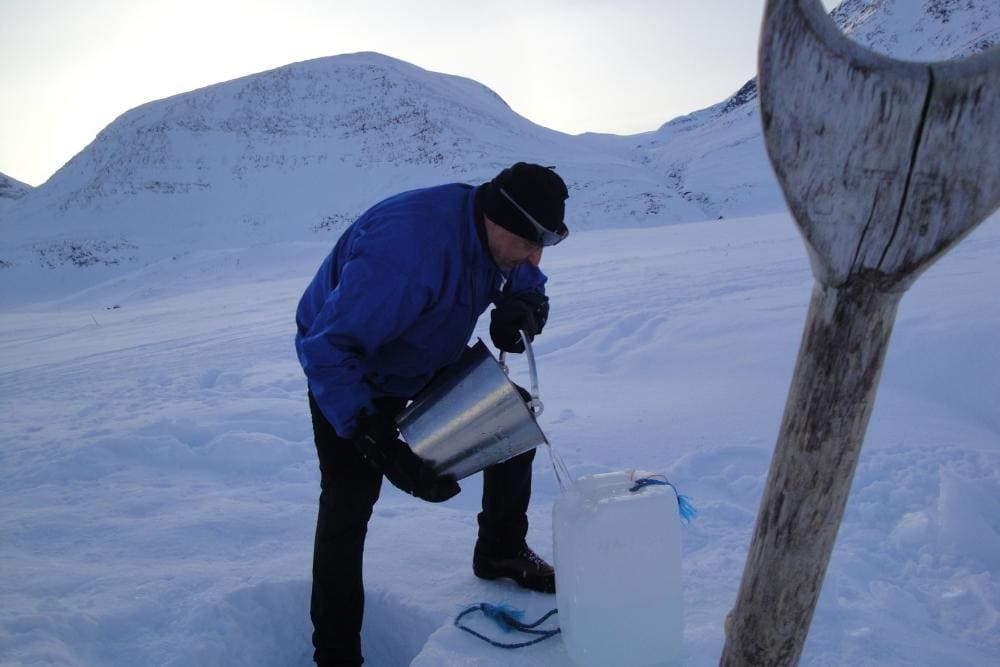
(480, 225)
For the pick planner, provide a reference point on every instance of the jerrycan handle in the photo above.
(535, 404)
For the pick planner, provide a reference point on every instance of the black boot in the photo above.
(526, 568)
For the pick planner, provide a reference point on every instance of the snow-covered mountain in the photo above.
(716, 156)
(295, 153)
(11, 190)
(299, 151)
(922, 31)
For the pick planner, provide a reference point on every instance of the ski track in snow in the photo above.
(159, 482)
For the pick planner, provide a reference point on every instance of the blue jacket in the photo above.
(398, 299)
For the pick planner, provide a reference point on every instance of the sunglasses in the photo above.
(543, 235)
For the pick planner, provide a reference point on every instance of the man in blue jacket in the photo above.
(395, 302)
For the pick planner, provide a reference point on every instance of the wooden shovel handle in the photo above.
(833, 389)
(885, 165)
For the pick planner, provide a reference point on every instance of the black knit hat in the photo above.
(528, 200)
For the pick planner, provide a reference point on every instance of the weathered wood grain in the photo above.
(885, 165)
(829, 404)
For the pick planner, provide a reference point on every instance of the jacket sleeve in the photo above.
(373, 302)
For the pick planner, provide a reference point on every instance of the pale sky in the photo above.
(68, 68)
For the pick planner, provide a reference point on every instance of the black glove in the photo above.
(377, 439)
(526, 311)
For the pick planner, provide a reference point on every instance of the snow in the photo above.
(159, 483)
(157, 474)
(298, 152)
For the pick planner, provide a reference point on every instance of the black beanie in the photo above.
(538, 190)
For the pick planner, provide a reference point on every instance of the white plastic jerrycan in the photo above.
(618, 572)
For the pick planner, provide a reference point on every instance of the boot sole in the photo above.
(537, 584)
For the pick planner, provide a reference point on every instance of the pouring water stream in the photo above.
(536, 407)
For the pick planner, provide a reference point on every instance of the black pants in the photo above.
(349, 487)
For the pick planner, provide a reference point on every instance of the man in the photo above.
(395, 302)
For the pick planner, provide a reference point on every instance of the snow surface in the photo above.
(157, 473)
(159, 483)
(11, 188)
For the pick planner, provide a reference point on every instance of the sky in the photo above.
(68, 68)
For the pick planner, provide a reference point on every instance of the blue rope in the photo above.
(508, 619)
(684, 506)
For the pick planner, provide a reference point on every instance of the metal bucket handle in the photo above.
(535, 404)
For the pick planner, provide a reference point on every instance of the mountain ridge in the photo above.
(297, 152)
(12, 189)
(728, 133)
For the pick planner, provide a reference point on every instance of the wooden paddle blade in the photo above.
(955, 178)
(884, 164)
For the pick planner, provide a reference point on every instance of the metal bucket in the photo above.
(472, 416)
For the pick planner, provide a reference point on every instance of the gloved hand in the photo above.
(377, 439)
(526, 311)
